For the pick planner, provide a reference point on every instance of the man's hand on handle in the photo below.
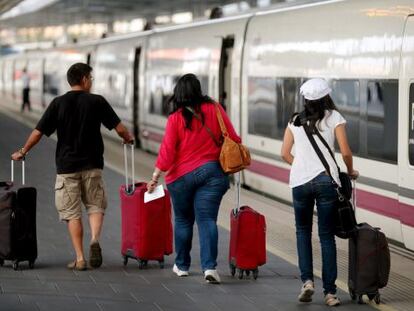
(17, 156)
(123, 132)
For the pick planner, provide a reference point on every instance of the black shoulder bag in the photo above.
(345, 221)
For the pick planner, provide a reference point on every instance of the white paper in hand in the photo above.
(156, 194)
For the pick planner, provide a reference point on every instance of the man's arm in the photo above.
(33, 139)
(123, 132)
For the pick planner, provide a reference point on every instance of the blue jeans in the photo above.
(197, 196)
(321, 190)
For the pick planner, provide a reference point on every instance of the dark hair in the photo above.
(187, 93)
(77, 72)
(314, 111)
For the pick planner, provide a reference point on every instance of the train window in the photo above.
(271, 104)
(161, 90)
(345, 94)
(51, 84)
(262, 107)
(382, 120)
(288, 101)
(411, 126)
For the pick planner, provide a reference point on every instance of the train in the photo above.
(254, 64)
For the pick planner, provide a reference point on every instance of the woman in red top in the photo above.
(194, 177)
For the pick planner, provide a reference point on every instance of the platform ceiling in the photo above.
(6, 5)
(96, 11)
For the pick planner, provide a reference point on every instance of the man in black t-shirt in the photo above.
(77, 117)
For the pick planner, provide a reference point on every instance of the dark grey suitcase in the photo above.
(369, 263)
(18, 240)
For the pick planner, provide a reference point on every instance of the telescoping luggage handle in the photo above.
(12, 172)
(132, 166)
(237, 181)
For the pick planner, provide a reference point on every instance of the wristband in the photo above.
(21, 151)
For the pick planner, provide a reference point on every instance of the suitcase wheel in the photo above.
(232, 270)
(255, 273)
(240, 275)
(31, 264)
(377, 298)
(15, 265)
(360, 300)
(352, 294)
(125, 260)
(1, 262)
(142, 264)
(161, 262)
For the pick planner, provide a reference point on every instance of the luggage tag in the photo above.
(156, 194)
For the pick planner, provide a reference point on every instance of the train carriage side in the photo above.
(406, 135)
(211, 50)
(8, 76)
(361, 62)
(57, 62)
(119, 71)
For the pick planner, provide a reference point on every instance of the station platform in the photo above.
(50, 286)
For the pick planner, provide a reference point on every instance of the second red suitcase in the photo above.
(247, 239)
(146, 227)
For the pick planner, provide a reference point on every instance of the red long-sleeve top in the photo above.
(183, 150)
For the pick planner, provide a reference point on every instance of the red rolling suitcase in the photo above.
(247, 239)
(146, 227)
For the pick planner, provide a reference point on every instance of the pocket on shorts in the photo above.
(62, 198)
(94, 192)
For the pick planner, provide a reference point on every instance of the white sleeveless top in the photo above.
(306, 164)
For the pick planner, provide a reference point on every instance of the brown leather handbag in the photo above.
(234, 157)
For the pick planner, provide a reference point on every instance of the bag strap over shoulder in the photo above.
(221, 121)
(209, 131)
(327, 147)
(317, 149)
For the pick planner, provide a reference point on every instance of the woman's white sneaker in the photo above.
(306, 291)
(179, 272)
(211, 276)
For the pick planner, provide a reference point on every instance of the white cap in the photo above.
(314, 89)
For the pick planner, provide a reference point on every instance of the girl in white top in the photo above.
(311, 184)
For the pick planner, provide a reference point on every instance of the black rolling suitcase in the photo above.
(18, 241)
(369, 263)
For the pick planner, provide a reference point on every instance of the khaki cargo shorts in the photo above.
(85, 187)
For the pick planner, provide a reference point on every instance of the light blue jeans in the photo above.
(196, 196)
(321, 190)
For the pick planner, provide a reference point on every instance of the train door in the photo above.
(225, 72)
(135, 106)
(406, 135)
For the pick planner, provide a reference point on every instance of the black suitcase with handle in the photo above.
(18, 240)
(369, 263)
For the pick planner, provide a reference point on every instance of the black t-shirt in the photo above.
(77, 116)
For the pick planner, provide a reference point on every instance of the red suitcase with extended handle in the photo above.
(146, 227)
(247, 239)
